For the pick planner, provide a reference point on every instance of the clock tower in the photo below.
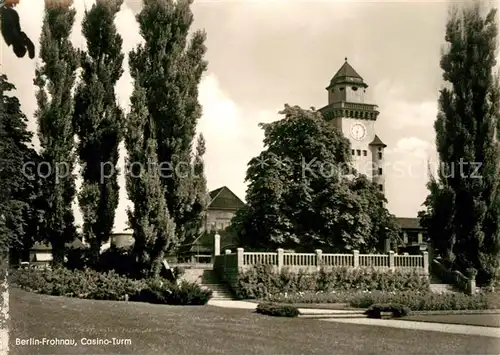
(348, 111)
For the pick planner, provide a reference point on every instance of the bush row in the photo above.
(262, 281)
(415, 301)
(90, 284)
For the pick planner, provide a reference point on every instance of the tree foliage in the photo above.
(19, 200)
(153, 228)
(198, 194)
(97, 120)
(169, 67)
(300, 195)
(54, 79)
(462, 210)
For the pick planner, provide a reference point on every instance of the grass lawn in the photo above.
(168, 330)
(485, 320)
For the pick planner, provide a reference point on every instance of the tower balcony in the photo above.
(350, 110)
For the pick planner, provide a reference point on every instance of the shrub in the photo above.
(424, 301)
(85, 283)
(262, 281)
(397, 310)
(91, 284)
(161, 291)
(277, 310)
(156, 291)
(188, 293)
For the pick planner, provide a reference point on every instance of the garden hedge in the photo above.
(262, 281)
(90, 284)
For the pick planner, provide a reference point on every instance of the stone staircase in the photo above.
(220, 291)
(437, 286)
(443, 288)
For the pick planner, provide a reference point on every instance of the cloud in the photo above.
(414, 146)
(232, 136)
(394, 102)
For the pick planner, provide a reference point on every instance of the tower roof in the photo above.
(347, 74)
(378, 142)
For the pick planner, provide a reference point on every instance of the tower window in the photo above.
(381, 187)
(365, 153)
(341, 89)
(354, 88)
(352, 150)
(380, 155)
(380, 171)
(358, 151)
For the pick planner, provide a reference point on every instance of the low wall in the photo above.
(228, 265)
(455, 277)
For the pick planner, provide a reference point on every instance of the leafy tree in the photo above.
(97, 119)
(169, 67)
(383, 224)
(462, 209)
(55, 78)
(18, 162)
(299, 195)
(153, 228)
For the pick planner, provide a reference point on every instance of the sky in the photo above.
(263, 54)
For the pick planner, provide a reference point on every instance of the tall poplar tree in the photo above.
(198, 198)
(169, 67)
(462, 210)
(153, 229)
(54, 79)
(97, 120)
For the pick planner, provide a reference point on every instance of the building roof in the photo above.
(346, 71)
(408, 223)
(224, 199)
(347, 74)
(378, 142)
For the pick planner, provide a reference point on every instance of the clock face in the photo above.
(358, 131)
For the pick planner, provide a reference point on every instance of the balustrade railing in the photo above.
(241, 260)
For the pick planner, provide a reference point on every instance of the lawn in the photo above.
(168, 330)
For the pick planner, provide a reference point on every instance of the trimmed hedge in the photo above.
(262, 281)
(415, 301)
(397, 310)
(90, 284)
(428, 301)
(277, 310)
